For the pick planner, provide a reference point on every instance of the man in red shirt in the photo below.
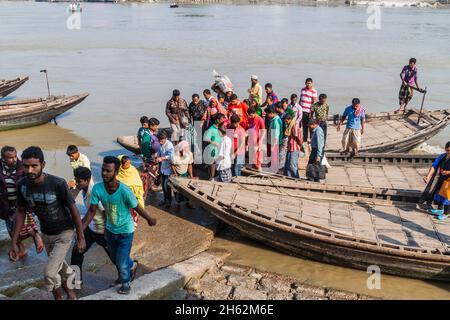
(255, 138)
(239, 108)
(238, 136)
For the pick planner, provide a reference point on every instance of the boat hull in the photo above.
(37, 118)
(12, 86)
(307, 243)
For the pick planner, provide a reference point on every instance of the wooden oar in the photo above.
(421, 107)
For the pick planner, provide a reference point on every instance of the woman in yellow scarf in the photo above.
(129, 175)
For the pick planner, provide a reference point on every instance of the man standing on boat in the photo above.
(256, 91)
(308, 96)
(355, 115)
(409, 83)
(178, 113)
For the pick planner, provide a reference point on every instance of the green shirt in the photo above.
(117, 207)
(319, 111)
(212, 134)
(275, 128)
(146, 141)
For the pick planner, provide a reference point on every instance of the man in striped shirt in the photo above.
(308, 96)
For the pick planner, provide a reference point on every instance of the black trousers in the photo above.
(90, 237)
(305, 119)
(312, 156)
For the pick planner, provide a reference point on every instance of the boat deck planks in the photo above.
(387, 132)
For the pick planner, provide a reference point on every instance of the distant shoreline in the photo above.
(388, 3)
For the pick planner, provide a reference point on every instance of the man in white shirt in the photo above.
(223, 159)
(95, 232)
(77, 159)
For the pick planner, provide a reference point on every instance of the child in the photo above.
(164, 156)
(144, 137)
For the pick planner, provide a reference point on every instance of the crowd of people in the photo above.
(233, 132)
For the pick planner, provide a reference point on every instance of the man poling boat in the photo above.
(409, 83)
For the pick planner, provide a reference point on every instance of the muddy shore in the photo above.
(236, 282)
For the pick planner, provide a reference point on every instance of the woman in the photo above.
(129, 175)
(182, 167)
(441, 191)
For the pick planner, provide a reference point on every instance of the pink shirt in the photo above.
(307, 98)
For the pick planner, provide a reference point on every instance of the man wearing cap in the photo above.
(256, 91)
(178, 113)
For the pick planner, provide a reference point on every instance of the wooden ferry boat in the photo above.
(8, 86)
(17, 114)
(346, 226)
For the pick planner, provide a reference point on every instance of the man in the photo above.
(223, 159)
(281, 109)
(256, 128)
(50, 199)
(319, 111)
(178, 114)
(274, 137)
(144, 137)
(240, 109)
(153, 125)
(308, 96)
(117, 199)
(164, 157)
(197, 108)
(269, 91)
(212, 139)
(294, 145)
(11, 172)
(355, 114)
(409, 82)
(295, 106)
(255, 92)
(238, 136)
(317, 143)
(77, 159)
(95, 232)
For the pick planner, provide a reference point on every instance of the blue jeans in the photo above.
(291, 166)
(237, 166)
(119, 247)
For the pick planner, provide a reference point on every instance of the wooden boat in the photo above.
(377, 159)
(131, 143)
(174, 5)
(8, 86)
(17, 114)
(387, 132)
(367, 171)
(333, 226)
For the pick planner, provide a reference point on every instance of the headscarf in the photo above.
(131, 178)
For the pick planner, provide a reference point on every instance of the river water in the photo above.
(130, 57)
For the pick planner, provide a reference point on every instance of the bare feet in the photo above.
(57, 294)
